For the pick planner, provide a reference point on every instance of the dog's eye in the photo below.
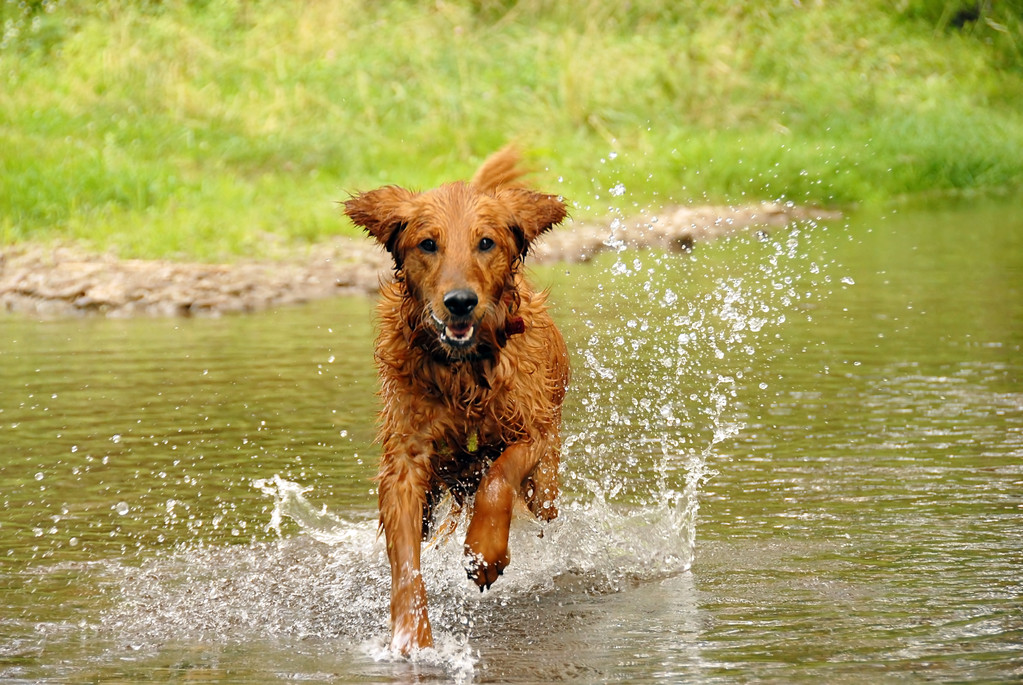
(428, 245)
(486, 244)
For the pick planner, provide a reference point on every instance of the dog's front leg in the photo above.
(486, 541)
(403, 483)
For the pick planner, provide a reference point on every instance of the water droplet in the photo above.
(39, 476)
(121, 508)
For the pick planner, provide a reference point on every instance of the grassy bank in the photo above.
(213, 128)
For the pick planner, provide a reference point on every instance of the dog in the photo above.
(472, 370)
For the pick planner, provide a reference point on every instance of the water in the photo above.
(789, 459)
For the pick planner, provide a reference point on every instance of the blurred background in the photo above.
(212, 129)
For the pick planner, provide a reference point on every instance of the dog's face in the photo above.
(458, 249)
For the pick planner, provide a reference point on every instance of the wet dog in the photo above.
(472, 372)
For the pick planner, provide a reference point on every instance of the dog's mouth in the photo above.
(456, 334)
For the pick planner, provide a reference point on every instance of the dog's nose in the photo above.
(461, 302)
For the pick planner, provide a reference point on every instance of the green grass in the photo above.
(217, 128)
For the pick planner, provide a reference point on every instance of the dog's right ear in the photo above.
(382, 212)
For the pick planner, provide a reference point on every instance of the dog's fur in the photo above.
(472, 371)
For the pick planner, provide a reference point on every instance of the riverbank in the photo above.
(59, 281)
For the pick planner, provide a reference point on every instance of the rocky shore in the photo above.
(57, 281)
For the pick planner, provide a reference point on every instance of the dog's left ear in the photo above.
(534, 213)
(382, 212)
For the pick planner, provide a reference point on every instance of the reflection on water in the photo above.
(843, 407)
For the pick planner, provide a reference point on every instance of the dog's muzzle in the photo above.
(459, 331)
(457, 328)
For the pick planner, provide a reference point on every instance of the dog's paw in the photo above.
(410, 633)
(483, 570)
(486, 540)
(410, 624)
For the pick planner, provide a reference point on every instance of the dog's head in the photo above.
(457, 249)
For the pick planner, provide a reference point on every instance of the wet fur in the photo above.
(478, 418)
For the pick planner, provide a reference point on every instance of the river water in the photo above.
(795, 458)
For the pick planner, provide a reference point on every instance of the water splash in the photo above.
(290, 502)
(330, 582)
(679, 334)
